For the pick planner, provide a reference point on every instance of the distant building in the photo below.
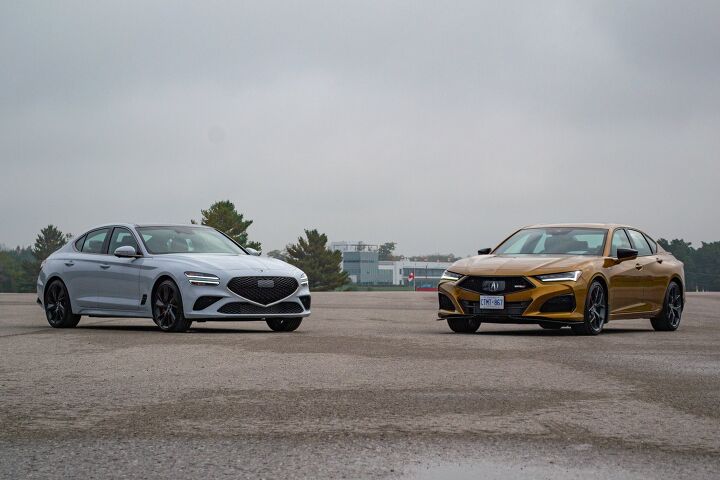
(363, 266)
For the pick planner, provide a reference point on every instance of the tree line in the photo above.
(19, 267)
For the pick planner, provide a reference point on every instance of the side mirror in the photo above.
(126, 251)
(626, 254)
(252, 251)
(484, 251)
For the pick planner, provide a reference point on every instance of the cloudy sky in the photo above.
(439, 125)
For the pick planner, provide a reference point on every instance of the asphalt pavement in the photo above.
(370, 386)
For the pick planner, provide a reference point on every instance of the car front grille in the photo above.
(263, 290)
(242, 308)
(512, 309)
(495, 285)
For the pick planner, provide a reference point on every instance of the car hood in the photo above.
(213, 262)
(519, 264)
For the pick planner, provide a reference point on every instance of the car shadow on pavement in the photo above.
(555, 333)
(154, 329)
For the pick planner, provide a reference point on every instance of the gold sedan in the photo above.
(579, 275)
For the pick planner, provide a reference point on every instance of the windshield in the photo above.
(160, 240)
(555, 241)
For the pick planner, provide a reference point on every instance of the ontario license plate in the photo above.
(492, 302)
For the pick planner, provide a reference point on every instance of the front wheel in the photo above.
(167, 308)
(57, 306)
(283, 324)
(596, 311)
(669, 318)
(463, 325)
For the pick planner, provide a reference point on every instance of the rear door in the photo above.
(82, 269)
(626, 280)
(118, 282)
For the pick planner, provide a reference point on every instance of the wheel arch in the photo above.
(599, 277)
(49, 282)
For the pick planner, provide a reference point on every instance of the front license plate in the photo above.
(492, 302)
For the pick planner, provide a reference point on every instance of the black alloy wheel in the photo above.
(57, 306)
(283, 324)
(464, 325)
(168, 308)
(596, 311)
(670, 315)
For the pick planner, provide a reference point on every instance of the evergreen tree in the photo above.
(224, 217)
(47, 241)
(321, 264)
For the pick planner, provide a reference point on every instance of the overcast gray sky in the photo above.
(439, 125)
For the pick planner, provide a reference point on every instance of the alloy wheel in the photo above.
(674, 305)
(166, 306)
(56, 305)
(597, 307)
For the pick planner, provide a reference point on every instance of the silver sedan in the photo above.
(174, 274)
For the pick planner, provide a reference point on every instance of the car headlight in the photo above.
(196, 278)
(450, 276)
(561, 277)
(304, 280)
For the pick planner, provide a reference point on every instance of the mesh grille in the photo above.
(240, 308)
(495, 285)
(263, 290)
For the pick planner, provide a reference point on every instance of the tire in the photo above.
(596, 311)
(167, 308)
(463, 325)
(671, 313)
(283, 324)
(551, 326)
(58, 310)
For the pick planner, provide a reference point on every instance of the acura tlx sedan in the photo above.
(579, 276)
(174, 274)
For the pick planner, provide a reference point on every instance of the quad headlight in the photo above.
(450, 276)
(204, 279)
(304, 280)
(561, 277)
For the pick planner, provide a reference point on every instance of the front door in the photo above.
(655, 279)
(83, 268)
(626, 280)
(119, 283)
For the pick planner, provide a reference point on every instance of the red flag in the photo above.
(411, 276)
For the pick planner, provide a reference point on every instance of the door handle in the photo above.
(69, 264)
(105, 267)
(638, 266)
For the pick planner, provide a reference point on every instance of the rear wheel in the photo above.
(57, 306)
(463, 325)
(669, 318)
(168, 312)
(283, 324)
(596, 311)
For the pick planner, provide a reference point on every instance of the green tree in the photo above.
(386, 251)
(224, 217)
(321, 264)
(47, 241)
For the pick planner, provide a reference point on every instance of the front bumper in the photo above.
(230, 306)
(520, 307)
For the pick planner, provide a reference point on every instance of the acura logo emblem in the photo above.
(266, 283)
(493, 285)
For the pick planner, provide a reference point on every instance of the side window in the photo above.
(79, 243)
(619, 240)
(94, 241)
(122, 237)
(641, 245)
(653, 244)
